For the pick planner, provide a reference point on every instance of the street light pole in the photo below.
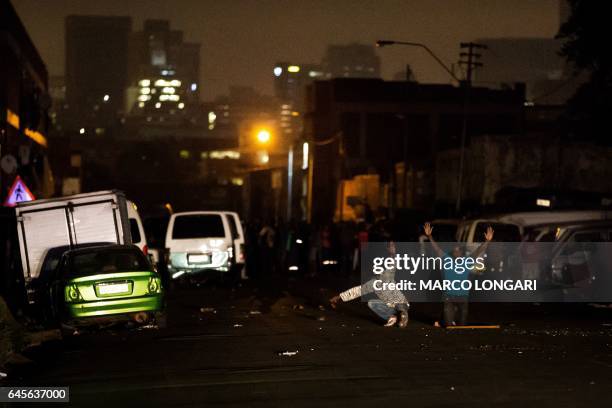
(289, 181)
(384, 43)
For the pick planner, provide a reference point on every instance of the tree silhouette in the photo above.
(586, 33)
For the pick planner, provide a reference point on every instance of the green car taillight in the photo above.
(72, 293)
(154, 285)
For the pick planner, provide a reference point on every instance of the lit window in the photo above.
(278, 71)
(145, 90)
(181, 105)
(144, 82)
(194, 87)
(106, 98)
(158, 105)
(542, 202)
(224, 154)
(293, 68)
(184, 154)
(82, 131)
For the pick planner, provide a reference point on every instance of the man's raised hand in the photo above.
(333, 302)
(489, 234)
(428, 229)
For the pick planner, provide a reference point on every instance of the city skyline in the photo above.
(250, 49)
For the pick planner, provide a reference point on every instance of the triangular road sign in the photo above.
(19, 192)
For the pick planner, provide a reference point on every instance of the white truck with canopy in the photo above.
(99, 217)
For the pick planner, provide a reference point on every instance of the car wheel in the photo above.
(161, 319)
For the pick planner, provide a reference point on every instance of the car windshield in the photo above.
(106, 261)
(198, 226)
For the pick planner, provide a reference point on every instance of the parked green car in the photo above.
(109, 282)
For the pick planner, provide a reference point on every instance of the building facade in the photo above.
(164, 74)
(24, 104)
(351, 61)
(394, 130)
(96, 72)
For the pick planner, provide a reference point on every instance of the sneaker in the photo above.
(391, 321)
(403, 321)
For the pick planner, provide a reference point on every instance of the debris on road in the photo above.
(288, 353)
(600, 306)
(148, 326)
(472, 327)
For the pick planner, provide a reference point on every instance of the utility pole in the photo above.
(469, 59)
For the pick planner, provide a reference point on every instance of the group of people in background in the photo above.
(299, 248)
(334, 249)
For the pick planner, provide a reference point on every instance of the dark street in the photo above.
(225, 347)
(265, 203)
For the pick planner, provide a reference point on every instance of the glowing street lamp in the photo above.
(263, 136)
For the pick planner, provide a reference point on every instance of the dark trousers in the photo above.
(455, 310)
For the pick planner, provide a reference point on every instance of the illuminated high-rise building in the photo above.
(164, 73)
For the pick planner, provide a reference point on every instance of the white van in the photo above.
(238, 237)
(199, 241)
(543, 225)
(136, 229)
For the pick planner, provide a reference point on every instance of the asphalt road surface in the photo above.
(276, 347)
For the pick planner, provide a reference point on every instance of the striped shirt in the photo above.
(390, 297)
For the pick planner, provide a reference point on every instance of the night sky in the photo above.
(242, 39)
